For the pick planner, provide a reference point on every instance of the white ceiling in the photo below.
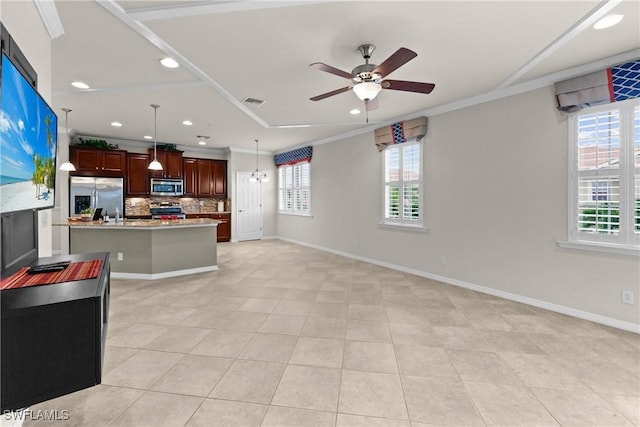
(231, 50)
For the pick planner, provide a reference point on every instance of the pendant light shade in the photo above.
(155, 164)
(367, 90)
(67, 166)
(257, 176)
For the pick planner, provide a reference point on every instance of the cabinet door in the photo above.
(205, 187)
(113, 162)
(220, 178)
(85, 160)
(137, 174)
(190, 176)
(96, 162)
(173, 165)
(224, 227)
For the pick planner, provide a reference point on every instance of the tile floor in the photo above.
(284, 335)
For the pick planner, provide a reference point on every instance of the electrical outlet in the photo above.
(628, 297)
(443, 260)
(120, 256)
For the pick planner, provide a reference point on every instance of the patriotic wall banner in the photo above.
(397, 133)
(294, 156)
(614, 84)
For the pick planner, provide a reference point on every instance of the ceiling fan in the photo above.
(369, 79)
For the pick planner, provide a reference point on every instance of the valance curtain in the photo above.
(613, 84)
(397, 133)
(294, 156)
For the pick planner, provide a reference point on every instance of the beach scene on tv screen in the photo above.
(28, 134)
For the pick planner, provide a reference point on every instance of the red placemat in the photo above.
(75, 271)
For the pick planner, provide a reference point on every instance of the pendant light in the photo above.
(155, 164)
(257, 175)
(67, 166)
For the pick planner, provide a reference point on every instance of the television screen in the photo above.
(28, 139)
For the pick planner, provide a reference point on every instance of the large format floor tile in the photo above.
(285, 335)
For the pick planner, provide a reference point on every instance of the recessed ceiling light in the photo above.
(116, 124)
(80, 85)
(169, 62)
(354, 111)
(187, 122)
(147, 137)
(608, 21)
(202, 143)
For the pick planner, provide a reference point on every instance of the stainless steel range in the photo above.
(167, 211)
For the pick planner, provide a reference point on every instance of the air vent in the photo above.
(254, 101)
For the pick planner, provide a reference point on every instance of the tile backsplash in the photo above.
(139, 206)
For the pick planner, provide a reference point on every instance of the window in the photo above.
(294, 189)
(605, 175)
(402, 201)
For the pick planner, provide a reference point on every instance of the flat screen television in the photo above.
(28, 142)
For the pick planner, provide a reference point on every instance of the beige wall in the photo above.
(23, 22)
(496, 203)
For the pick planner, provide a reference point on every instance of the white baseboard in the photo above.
(156, 276)
(603, 320)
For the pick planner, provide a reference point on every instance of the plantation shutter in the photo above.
(636, 171)
(598, 168)
(402, 184)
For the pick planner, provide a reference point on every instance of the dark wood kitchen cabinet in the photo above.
(219, 177)
(205, 187)
(96, 162)
(211, 178)
(224, 227)
(137, 179)
(190, 176)
(171, 162)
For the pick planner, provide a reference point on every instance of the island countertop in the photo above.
(146, 224)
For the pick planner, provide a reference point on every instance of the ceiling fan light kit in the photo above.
(367, 90)
(368, 79)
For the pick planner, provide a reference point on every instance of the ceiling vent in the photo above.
(253, 101)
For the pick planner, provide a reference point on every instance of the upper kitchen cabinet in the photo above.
(190, 176)
(220, 178)
(211, 178)
(137, 178)
(204, 168)
(96, 162)
(171, 162)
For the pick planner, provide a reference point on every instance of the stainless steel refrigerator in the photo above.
(87, 192)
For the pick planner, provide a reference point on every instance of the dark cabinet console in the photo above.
(53, 336)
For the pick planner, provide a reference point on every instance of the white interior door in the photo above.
(249, 204)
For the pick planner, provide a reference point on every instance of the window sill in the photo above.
(601, 247)
(307, 215)
(404, 227)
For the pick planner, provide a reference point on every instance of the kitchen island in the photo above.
(149, 249)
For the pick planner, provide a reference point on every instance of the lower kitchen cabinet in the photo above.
(224, 227)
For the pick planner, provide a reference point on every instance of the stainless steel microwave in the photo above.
(167, 187)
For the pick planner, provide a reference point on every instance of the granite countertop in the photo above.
(147, 224)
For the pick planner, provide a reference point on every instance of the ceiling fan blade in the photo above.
(328, 94)
(395, 61)
(407, 86)
(329, 69)
(371, 104)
